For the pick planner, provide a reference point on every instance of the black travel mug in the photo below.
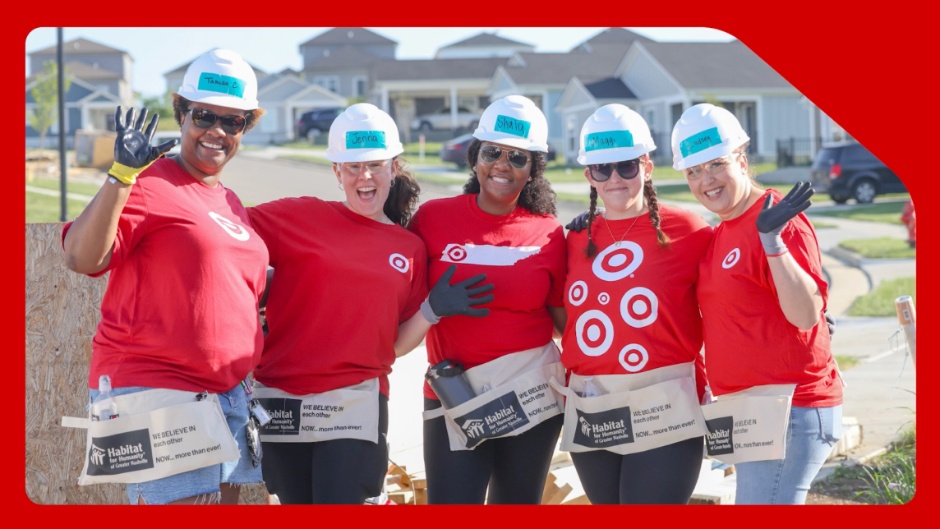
(449, 383)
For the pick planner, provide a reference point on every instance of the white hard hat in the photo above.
(514, 121)
(221, 77)
(705, 132)
(363, 133)
(614, 133)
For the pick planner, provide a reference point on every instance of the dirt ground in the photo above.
(836, 490)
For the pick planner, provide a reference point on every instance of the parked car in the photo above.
(455, 150)
(318, 120)
(466, 119)
(162, 136)
(849, 170)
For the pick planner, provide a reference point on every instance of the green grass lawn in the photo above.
(880, 248)
(880, 302)
(887, 212)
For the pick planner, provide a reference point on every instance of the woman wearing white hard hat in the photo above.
(349, 295)
(633, 333)
(497, 446)
(762, 294)
(179, 332)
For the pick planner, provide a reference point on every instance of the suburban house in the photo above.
(100, 80)
(342, 60)
(345, 65)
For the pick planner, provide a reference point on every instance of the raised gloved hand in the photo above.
(579, 223)
(830, 322)
(450, 300)
(772, 219)
(132, 149)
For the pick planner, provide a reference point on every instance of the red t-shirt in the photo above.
(186, 272)
(342, 285)
(522, 255)
(748, 340)
(632, 308)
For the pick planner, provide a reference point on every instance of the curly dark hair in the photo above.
(403, 196)
(537, 196)
(181, 105)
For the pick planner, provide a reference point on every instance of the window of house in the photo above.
(360, 86)
(330, 82)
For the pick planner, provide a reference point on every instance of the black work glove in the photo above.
(132, 149)
(579, 223)
(830, 322)
(771, 220)
(450, 300)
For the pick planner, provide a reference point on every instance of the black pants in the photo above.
(344, 471)
(513, 469)
(664, 475)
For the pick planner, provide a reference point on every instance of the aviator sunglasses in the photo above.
(627, 169)
(231, 124)
(491, 153)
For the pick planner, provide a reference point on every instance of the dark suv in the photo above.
(849, 170)
(318, 119)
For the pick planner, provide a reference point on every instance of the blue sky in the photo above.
(159, 50)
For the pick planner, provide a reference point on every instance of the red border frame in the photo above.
(862, 67)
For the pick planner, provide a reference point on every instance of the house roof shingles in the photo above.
(715, 65)
(79, 45)
(335, 36)
(559, 68)
(485, 40)
(417, 69)
(610, 88)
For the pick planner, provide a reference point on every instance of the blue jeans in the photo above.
(811, 434)
(204, 482)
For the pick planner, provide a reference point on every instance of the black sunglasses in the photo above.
(231, 124)
(627, 169)
(491, 153)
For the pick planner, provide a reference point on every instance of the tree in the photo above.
(161, 105)
(46, 98)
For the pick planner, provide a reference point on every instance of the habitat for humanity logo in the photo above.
(603, 429)
(719, 439)
(120, 453)
(496, 418)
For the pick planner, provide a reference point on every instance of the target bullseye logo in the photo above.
(577, 293)
(639, 307)
(731, 259)
(617, 261)
(595, 333)
(603, 298)
(455, 253)
(634, 357)
(236, 231)
(399, 262)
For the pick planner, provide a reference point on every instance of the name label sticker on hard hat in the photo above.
(611, 139)
(700, 142)
(365, 139)
(213, 82)
(516, 127)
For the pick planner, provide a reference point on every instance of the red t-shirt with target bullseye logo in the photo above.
(748, 340)
(342, 285)
(632, 307)
(522, 255)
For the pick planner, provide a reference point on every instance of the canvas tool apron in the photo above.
(513, 396)
(749, 425)
(158, 433)
(344, 413)
(626, 414)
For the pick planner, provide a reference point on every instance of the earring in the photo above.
(392, 182)
(339, 185)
